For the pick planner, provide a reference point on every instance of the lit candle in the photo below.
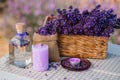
(40, 57)
(74, 61)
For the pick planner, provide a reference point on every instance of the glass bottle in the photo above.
(20, 47)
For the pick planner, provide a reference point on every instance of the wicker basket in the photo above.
(83, 46)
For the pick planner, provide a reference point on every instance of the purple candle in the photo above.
(40, 57)
(74, 61)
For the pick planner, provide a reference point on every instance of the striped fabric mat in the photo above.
(108, 69)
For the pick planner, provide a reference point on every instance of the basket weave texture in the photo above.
(83, 46)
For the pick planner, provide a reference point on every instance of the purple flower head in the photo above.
(37, 12)
(51, 6)
(43, 31)
(27, 9)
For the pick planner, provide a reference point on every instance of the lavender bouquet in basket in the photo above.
(85, 34)
(96, 22)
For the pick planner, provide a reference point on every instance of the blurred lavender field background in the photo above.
(33, 13)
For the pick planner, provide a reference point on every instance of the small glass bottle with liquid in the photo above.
(20, 47)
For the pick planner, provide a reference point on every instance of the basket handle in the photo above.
(48, 18)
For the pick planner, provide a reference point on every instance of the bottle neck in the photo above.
(21, 34)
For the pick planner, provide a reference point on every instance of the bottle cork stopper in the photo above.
(20, 27)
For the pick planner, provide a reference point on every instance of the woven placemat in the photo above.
(107, 69)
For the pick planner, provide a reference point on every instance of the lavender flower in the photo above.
(30, 12)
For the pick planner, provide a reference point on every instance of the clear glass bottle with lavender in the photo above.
(20, 47)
